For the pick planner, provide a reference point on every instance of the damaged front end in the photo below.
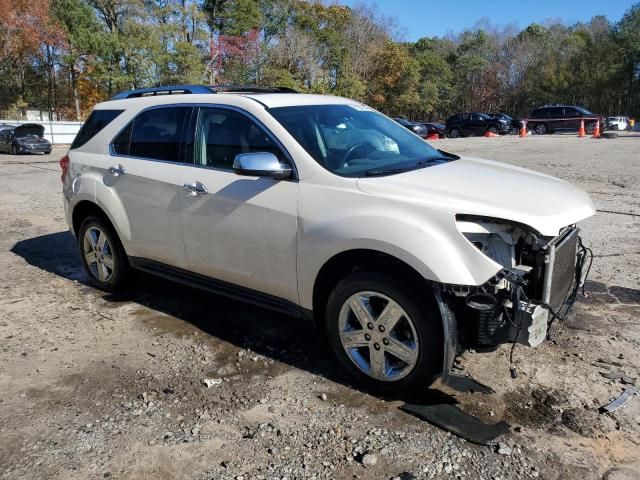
(538, 282)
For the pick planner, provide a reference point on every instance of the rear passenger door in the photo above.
(238, 229)
(555, 116)
(144, 172)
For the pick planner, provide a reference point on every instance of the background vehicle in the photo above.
(515, 123)
(322, 208)
(550, 119)
(434, 128)
(413, 126)
(474, 123)
(26, 138)
(617, 123)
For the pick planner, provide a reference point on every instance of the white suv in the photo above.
(322, 208)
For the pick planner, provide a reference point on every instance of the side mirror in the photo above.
(260, 164)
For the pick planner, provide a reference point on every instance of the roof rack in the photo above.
(170, 90)
(231, 88)
(195, 89)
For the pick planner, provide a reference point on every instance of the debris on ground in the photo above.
(620, 401)
(452, 419)
(211, 382)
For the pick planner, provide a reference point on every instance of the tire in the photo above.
(514, 131)
(590, 128)
(541, 129)
(493, 129)
(416, 334)
(454, 133)
(103, 257)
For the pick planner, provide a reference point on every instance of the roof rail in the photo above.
(188, 89)
(169, 90)
(232, 88)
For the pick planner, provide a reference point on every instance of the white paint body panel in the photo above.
(275, 236)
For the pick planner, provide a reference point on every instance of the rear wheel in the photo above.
(493, 129)
(102, 254)
(540, 129)
(590, 128)
(454, 133)
(384, 333)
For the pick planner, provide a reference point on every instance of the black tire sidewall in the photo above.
(120, 262)
(425, 318)
(454, 135)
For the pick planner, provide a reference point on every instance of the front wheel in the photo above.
(590, 128)
(102, 254)
(454, 133)
(384, 333)
(493, 129)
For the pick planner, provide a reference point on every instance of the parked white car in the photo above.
(322, 208)
(618, 123)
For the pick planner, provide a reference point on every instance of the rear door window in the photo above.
(155, 134)
(93, 125)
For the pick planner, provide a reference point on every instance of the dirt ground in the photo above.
(104, 386)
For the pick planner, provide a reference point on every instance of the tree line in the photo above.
(63, 56)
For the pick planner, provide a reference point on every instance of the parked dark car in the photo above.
(515, 123)
(434, 128)
(26, 138)
(550, 119)
(474, 123)
(413, 126)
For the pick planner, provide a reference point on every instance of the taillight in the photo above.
(64, 165)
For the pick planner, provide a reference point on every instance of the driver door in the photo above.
(238, 229)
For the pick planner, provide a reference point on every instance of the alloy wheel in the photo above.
(378, 336)
(541, 129)
(454, 133)
(98, 254)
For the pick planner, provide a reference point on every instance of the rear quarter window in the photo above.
(93, 125)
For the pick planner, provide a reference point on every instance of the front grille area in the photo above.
(562, 268)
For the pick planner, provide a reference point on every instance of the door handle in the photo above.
(195, 188)
(116, 171)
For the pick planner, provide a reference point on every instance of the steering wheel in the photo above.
(353, 148)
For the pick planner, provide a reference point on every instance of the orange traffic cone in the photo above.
(433, 136)
(596, 132)
(581, 133)
(490, 134)
(523, 130)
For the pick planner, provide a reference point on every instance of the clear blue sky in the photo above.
(428, 18)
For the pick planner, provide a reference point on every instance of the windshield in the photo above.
(356, 141)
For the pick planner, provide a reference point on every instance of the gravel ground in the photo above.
(104, 386)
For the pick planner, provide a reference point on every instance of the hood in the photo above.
(29, 129)
(492, 189)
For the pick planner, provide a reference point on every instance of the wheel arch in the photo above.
(85, 208)
(349, 261)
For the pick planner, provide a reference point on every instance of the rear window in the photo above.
(96, 122)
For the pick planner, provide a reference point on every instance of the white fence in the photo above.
(58, 133)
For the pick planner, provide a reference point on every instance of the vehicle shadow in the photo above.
(285, 339)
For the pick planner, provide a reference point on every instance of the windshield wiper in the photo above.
(388, 171)
(419, 164)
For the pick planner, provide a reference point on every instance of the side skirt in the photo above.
(219, 287)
